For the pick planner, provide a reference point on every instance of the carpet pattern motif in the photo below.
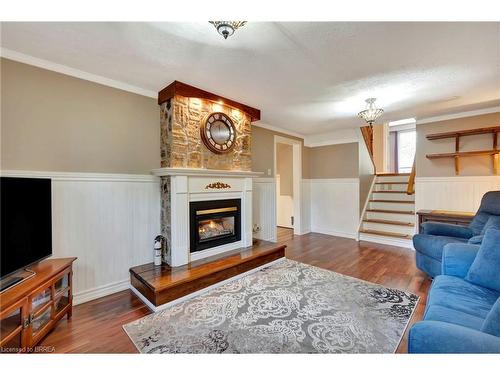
(288, 307)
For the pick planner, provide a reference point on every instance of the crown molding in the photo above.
(66, 70)
(452, 116)
(278, 129)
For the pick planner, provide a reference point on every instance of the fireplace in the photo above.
(214, 223)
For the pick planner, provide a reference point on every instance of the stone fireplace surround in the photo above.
(183, 185)
(191, 172)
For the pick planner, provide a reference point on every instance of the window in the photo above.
(406, 150)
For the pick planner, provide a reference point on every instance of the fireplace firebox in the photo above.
(214, 223)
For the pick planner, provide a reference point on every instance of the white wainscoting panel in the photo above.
(285, 211)
(108, 221)
(457, 193)
(264, 208)
(306, 206)
(335, 206)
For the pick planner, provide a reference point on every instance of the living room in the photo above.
(250, 187)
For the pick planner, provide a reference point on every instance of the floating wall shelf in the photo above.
(494, 152)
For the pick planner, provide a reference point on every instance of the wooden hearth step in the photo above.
(389, 201)
(386, 234)
(390, 222)
(392, 212)
(163, 284)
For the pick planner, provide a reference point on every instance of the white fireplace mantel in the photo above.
(190, 185)
(200, 172)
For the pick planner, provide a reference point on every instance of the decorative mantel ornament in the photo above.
(218, 132)
(218, 185)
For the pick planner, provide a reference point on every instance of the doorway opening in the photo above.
(288, 175)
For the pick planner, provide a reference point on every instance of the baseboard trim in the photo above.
(154, 308)
(102, 291)
(386, 240)
(352, 235)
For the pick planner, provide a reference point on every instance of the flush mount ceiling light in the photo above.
(371, 113)
(227, 28)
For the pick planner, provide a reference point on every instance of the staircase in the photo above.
(389, 217)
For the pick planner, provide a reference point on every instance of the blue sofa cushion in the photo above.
(432, 246)
(457, 294)
(490, 205)
(476, 240)
(491, 324)
(493, 222)
(436, 228)
(477, 224)
(485, 270)
(448, 315)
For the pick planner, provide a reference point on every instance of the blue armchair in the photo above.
(434, 236)
(462, 314)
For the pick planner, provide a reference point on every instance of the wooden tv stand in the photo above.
(30, 309)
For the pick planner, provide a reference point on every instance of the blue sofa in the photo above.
(434, 236)
(462, 314)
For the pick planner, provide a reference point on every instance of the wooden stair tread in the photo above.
(390, 222)
(387, 234)
(392, 174)
(390, 191)
(392, 183)
(390, 201)
(392, 211)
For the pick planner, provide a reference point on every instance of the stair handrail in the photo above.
(410, 190)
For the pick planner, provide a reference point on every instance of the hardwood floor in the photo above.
(96, 326)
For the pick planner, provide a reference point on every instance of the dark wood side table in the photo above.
(451, 217)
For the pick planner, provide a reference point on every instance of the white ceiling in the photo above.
(305, 77)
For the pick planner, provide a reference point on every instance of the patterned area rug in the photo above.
(288, 307)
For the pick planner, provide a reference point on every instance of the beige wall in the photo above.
(471, 166)
(334, 161)
(53, 122)
(263, 150)
(284, 167)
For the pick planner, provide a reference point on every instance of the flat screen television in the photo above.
(26, 222)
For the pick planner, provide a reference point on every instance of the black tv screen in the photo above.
(26, 222)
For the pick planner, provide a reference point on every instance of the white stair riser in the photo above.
(393, 196)
(387, 216)
(400, 187)
(386, 240)
(392, 206)
(389, 228)
(392, 178)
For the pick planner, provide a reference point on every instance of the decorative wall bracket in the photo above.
(218, 185)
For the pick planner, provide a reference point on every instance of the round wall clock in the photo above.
(218, 132)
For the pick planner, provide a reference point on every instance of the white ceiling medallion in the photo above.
(227, 28)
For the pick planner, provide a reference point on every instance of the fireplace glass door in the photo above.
(214, 223)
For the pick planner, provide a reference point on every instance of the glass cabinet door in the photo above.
(11, 328)
(40, 319)
(62, 284)
(41, 310)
